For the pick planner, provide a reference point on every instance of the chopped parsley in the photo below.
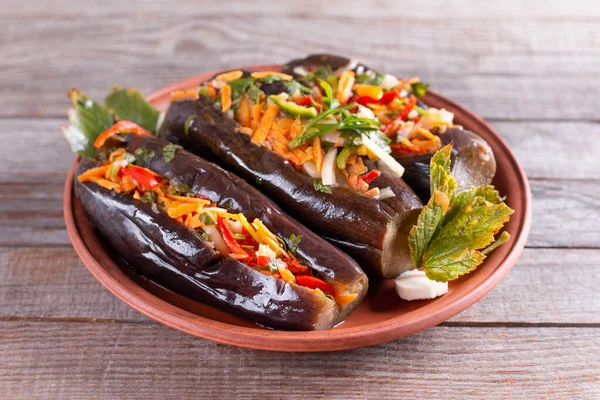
(320, 187)
(169, 150)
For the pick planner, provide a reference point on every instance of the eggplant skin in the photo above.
(370, 231)
(315, 60)
(472, 163)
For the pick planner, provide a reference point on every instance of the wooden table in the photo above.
(532, 70)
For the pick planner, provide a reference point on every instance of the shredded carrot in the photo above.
(105, 183)
(97, 172)
(256, 116)
(301, 155)
(193, 221)
(225, 97)
(229, 76)
(127, 183)
(296, 128)
(188, 94)
(373, 192)
(262, 74)
(345, 87)
(136, 195)
(265, 123)
(188, 199)
(317, 153)
(212, 90)
(182, 210)
(116, 155)
(282, 150)
(243, 112)
(344, 299)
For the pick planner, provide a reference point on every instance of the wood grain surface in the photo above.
(531, 69)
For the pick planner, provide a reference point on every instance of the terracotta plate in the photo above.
(381, 317)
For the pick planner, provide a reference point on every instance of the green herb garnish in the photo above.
(239, 86)
(206, 219)
(419, 88)
(130, 105)
(453, 228)
(148, 197)
(188, 123)
(169, 150)
(370, 79)
(179, 189)
(142, 156)
(320, 187)
(294, 86)
(294, 242)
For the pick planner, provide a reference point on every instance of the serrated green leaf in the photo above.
(471, 228)
(441, 178)
(453, 265)
(87, 119)
(130, 105)
(452, 228)
(421, 234)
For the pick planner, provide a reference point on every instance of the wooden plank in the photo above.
(562, 210)
(491, 66)
(53, 283)
(543, 149)
(433, 9)
(79, 360)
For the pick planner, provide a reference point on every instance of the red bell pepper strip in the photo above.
(312, 282)
(370, 177)
(298, 269)
(229, 239)
(364, 100)
(392, 126)
(120, 127)
(261, 261)
(304, 100)
(143, 177)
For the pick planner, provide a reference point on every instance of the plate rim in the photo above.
(312, 341)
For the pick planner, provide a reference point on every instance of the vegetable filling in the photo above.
(323, 124)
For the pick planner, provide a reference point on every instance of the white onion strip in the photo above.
(311, 169)
(328, 170)
(388, 160)
(217, 240)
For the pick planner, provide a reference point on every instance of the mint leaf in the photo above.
(130, 105)
(168, 152)
(87, 119)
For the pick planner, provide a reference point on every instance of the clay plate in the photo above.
(380, 318)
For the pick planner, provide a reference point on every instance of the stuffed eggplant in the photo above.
(312, 151)
(415, 130)
(473, 163)
(200, 231)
